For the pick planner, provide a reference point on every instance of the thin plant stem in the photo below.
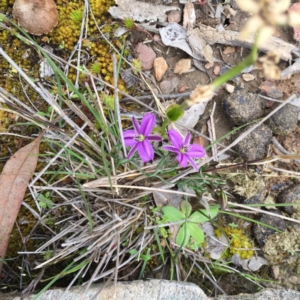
(237, 69)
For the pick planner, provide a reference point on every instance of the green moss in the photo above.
(280, 246)
(239, 243)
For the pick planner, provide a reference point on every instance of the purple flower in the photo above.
(139, 138)
(184, 149)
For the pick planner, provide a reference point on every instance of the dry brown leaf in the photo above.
(14, 180)
(199, 45)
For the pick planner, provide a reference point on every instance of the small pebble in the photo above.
(146, 56)
(243, 107)
(183, 66)
(229, 88)
(290, 195)
(160, 68)
(262, 232)
(229, 50)
(285, 120)
(270, 89)
(169, 85)
(255, 144)
(217, 70)
(208, 66)
(248, 77)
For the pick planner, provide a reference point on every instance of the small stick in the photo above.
(281, 149)
(117, 104)
(212, 133)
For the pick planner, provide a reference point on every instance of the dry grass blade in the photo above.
(13, 183)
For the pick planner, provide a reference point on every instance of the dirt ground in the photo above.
(288, 268)
(285, 271)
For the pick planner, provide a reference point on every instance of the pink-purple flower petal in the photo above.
(170, 148)
(196, 151)
(182, 159)
(175, 138)
(129, 133)
(140, 138)
(129, 137)
(193, 164)
(186, 151)
(133, 150)
(186, 140)
(154, 137)
(145, 151)
(136, 125)
(147, 124)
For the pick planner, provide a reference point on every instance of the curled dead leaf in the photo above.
(14, 180)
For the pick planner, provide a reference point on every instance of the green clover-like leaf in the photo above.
(196, 233)
(183, 236)
(172, 214)
(203, 215)
(186, 208)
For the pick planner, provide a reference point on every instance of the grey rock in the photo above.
(267, 294)
(169, 85)
(243, 107)
(271, 90)
(290, 195)
(258, 198)
(143, 290)
(285, 120)
(262, 232)
(254, 145)
(152, 290)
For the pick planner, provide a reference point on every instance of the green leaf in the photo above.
(174, 112)
(2, 17)
(183, 236)
(163, 232)
(186, 208)
(109, 102)
(145, 257)
(196, 233)
(76, 15)
(197, 217)
(203, 215)
(42, 204)
(133, 251)
(213, 210)
(172, 213)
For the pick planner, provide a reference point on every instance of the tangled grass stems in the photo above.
(68, 232)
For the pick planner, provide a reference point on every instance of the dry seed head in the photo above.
(266, 15)
(294, 20)
(269, 64)
(201, 93)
